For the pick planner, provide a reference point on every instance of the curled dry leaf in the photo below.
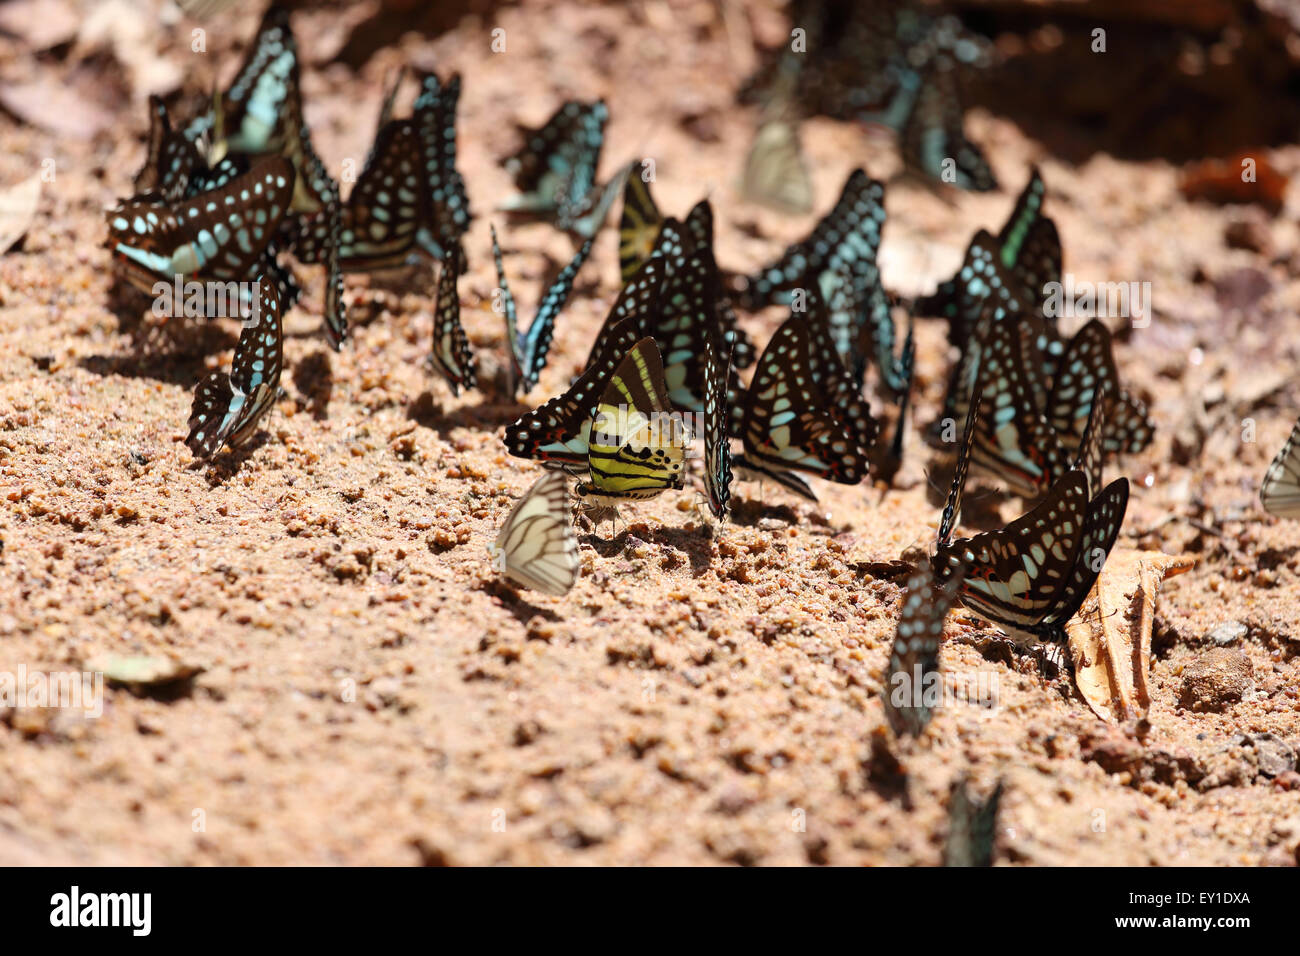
(141, 671)
(17, 210)
(1110, 637)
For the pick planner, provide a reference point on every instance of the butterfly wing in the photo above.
(1279, 492)
(557, 432)
(933, 141)
(912, 684)
(638, 225)
(787, 422)
(637, 448)
(1016, 576)
(536, 546)
(854, 223)
(452, 357)
(220, 235)
(228, 408)
(776, 174)
(446, 211)
(537, 341)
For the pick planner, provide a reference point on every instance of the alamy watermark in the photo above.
(932, 689)
(1098, 300)
(209, 300)
(70, 690)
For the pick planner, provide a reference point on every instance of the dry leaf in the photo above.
(41, 24)
(141, 671)
(17, 209)
(1110, 637)
(49, 104)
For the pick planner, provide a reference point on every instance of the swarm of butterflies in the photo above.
(223, 197)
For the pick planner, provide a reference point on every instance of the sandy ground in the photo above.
(371, 694)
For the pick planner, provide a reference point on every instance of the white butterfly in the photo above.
(536, 546)
(1280, 491)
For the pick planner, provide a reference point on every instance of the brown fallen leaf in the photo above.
(1110, 637)
(51, 105)
(17, 210)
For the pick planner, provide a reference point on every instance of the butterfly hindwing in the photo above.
(637, 447)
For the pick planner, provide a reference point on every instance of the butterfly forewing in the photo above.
(787, 422)
(1017, 576)
(638, 226)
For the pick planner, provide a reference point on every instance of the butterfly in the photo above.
(1279, 493)
(452, 357)
(1018, 445)
(536, 546)
(776, 174)
(1033, 575)
(555, 169)
(1028, 249)
(445, 202)
(261, 115)
(557, 432)
(223, 234)
(788, 423)
(638, 226)
(849, 234)
(884, 62)
(932, 139)
(637, 447)
(699, 227)
(228, 408)
(913, 686)
(528, 353)
(972, 827)
(889, 459)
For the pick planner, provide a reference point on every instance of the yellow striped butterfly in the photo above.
(557, 432)
(638, 226)
(638, 445)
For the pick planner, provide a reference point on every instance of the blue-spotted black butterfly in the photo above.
(452, 357)
(528, 351)
(228, 407)
(790, 422)
(555, 169)
(1032, 576)
(913, 685)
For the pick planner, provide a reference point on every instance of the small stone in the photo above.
(1219, 677)
(1229, 632)
(1249, 234)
